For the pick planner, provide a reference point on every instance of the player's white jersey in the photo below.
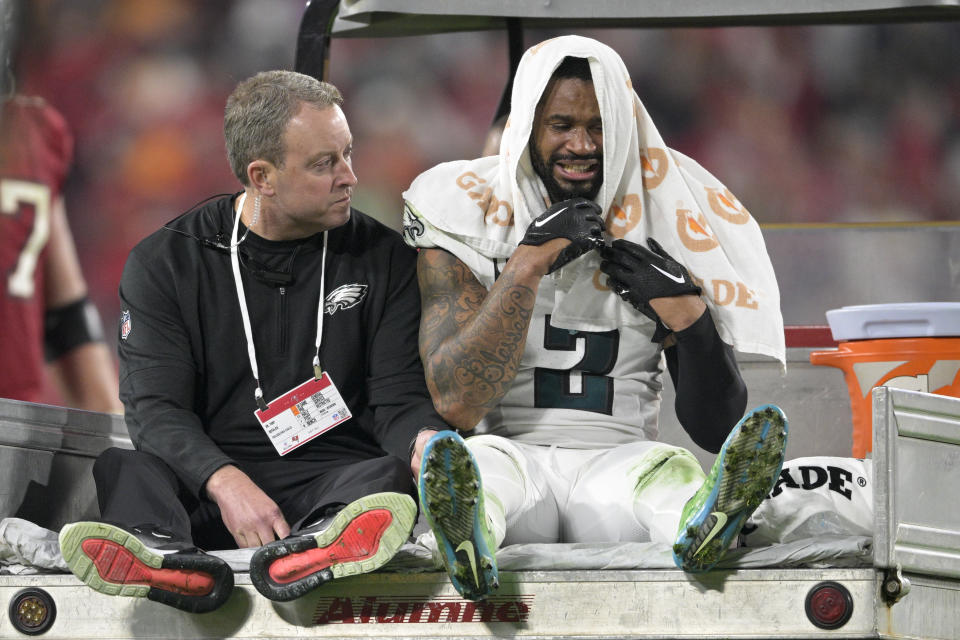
(581, 389)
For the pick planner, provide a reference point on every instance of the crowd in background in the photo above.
(805, 124)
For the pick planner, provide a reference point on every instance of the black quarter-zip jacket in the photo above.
(185, 377)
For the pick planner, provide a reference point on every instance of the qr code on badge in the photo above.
(305, 412)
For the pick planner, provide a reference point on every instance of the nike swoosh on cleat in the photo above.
(717, 527)
(540, 223)
(677, 279)
(467, 546)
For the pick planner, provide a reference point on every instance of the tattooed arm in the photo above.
(471, 339)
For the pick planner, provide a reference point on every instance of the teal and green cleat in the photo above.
(745, 471)
(451, 497)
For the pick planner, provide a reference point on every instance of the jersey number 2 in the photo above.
(558, 388)
(13, 194)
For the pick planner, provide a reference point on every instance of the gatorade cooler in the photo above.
(913, 346)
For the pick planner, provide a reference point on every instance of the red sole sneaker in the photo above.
(114, 562)
(362, 537)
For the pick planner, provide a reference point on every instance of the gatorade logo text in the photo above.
(410, 610)
(809, 478)
(497, 211)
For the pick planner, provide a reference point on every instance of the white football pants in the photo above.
(633, 492)
(636, 493)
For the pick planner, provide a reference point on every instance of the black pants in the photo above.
(135, 488)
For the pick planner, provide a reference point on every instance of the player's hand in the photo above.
(416, 457)
(639, 275)
(578, 220)
(251, 517)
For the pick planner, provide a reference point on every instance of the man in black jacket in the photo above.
(270, 375)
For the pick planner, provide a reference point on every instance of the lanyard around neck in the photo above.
(245, 314)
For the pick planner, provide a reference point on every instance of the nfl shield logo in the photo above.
(125, 324)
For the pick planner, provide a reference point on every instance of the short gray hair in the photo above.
(259, 109)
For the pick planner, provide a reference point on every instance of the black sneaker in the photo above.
(118, 562)
(361, 538)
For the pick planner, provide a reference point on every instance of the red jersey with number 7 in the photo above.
(36, 149)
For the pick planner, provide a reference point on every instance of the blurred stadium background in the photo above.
(805, 124)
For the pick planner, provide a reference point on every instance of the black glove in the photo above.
(638, 274)
(577, 220)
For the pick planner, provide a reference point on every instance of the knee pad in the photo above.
(666, 466)
(619, 494)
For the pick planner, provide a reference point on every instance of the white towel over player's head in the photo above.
(480, 209)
